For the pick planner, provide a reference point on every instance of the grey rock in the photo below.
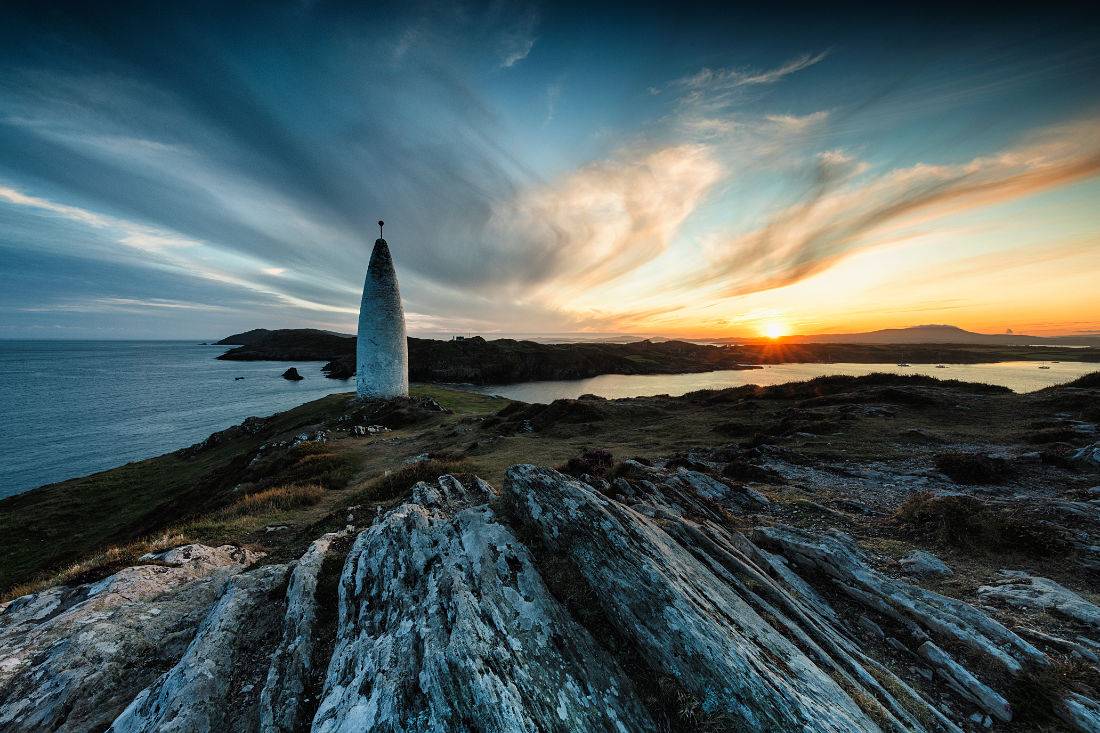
(921, 563)
(965, 683)
(445, 621)
(197, 694)
(911, 605)
(897, 645)
(72, 658)
(1080, 713)
(288, 674)
(740, 497)
(704, 634)
(870, 628)
(1089, 455)
(1041, 594)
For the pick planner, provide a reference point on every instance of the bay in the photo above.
(1019, 376)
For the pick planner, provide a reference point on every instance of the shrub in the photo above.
(973, 468)
(593, 462)
(305, 463)
(965, 522)
(395, 484)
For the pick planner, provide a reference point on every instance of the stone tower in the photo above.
(382, 353)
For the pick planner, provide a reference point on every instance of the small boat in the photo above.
(1044, 366)
(903, 364)
(941, 366)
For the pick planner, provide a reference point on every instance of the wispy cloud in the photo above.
(600, 222)
(715, 89)
(121, 305)
(519, 38)
(518, 53)
(843, 213)
(718, 79)
(553, 94)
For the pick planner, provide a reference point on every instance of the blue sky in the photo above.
(191, 170)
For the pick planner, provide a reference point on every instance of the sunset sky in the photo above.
(193, 169)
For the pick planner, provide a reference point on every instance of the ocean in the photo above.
(71, 408)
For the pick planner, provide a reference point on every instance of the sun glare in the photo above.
(773, 330)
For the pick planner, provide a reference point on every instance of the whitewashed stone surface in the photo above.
(382, 350)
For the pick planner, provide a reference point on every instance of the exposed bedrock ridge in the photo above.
(446, 624)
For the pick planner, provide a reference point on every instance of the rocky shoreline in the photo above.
(876, 553)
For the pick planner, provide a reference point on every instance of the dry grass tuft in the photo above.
(101, 564)
(278, 498)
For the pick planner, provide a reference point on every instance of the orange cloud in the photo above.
(846, 213)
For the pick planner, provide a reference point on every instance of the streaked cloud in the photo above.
(243, 161)
(841, 215)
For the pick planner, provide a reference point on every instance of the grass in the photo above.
(50, 529)
(99, 565)
(279, 498)
(56, 526)
(396, 484)
(966, 523)
(459, 401)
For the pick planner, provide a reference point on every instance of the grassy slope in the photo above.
(60, 523)
(52, 527)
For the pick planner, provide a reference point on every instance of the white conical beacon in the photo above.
(382, 351)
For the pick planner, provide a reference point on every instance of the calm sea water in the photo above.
(1021, 376)
(71, 408)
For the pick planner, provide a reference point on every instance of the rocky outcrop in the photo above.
(292, 375)
(71, 658)
(1020, 589)
(455, 604)
(448, 613)
(215, 685)
(705, 634)
(282, 699)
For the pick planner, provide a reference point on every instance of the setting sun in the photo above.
(774, 330)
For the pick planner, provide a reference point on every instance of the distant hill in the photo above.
(298, 336)
(504, 361)
(934, 334)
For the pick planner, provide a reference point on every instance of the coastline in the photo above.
(149, 496)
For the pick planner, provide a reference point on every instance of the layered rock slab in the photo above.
(72, 658)
(282, 698)
(215, 686)
(445, 624)
(686, 622)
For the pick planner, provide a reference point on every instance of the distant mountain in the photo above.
(935, 334)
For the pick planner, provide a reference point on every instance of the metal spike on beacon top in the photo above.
(382, 351)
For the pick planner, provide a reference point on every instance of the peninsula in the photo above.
(504, 361)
